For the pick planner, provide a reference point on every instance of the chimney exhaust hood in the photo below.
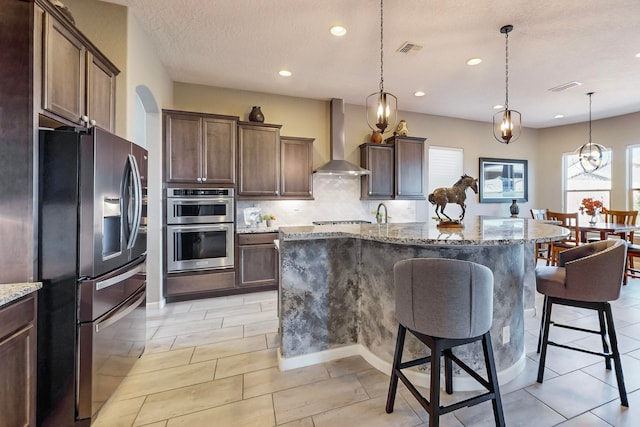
(338, 165)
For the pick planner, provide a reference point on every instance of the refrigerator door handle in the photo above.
(121, 313)
(137, 200)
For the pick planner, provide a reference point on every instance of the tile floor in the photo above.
(213, 363)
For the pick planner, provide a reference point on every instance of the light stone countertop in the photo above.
(259, 229)
(478, 230)
(12, 291)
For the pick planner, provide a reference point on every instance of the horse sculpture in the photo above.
(456, 194)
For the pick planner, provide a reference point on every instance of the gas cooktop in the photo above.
(344, 221)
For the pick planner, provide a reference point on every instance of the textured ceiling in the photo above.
(242, 44)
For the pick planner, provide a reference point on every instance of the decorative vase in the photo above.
(593, 219)
(402, 129)
(256, 115)
(514, 208)
(268, 223)
(376, 137)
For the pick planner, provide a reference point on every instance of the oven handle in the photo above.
(121, 313)
(201, 201)
(119, 278)
(221, 226)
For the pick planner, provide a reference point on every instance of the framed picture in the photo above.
(503, 180)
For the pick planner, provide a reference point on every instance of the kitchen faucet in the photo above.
(378, 216)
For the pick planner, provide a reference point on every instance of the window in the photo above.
(445, 166)
(578, 184)
(633, 156)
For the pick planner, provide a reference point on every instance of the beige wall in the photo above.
(616, 133)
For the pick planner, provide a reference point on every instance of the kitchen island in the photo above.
(337, 293)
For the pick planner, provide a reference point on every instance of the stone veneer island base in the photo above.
(337, 294)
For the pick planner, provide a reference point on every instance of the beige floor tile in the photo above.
(269, 305)
(188, 328)
(118, 413)
(370, 413)
(261, 328)
(235, 310)
(210, 303)
(228, 348)
(248, 362)
(620, 416)
(159, 345)
(318, 397)
(270, 380)
(245, 319)
(347, 365)
(168, 359)
(209, 337)
(173, 319)
(375, 382)
(261, 296)
(166, 379)
(305, 422)
(158, 424)
(186, 400)
(273, 340)
(256, 412)
(585, 420)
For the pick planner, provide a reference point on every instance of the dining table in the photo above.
(603, 228)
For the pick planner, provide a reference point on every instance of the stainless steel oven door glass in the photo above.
(199, 206)
(197, 247)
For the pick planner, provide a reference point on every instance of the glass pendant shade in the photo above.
(591, 156)
(382, 111)
(507, 126)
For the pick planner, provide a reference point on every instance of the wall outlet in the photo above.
(506, 334)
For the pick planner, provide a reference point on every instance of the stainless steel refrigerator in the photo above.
(91, 260)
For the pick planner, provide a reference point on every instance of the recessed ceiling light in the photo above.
(285, 73)
(498, 106)
(418, 93)
(558, 116)
(474, 61)
(638, 55)
(338, 30)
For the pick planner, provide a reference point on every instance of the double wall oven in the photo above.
(200, 229)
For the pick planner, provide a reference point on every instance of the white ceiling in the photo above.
(242, 44)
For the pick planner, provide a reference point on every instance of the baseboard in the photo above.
(157, 305)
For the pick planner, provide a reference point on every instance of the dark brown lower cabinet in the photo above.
(257, 261)
(199, 284)
(18, 362)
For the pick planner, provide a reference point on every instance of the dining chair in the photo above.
(543, 250)
(567, 220)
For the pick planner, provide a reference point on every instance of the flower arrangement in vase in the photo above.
(592, 208)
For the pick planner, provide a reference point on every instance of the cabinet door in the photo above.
(296, 162)
(101, 93)
(378, 159)
(183, 148)
(219, 149)
(258, 160)
(18, 367)
(258, 265)
(409, 168)
(64, 72)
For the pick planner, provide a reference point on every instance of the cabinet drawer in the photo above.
(16, 315)
(193, 283)
(256, 238)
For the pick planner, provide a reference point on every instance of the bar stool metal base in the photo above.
(606, 328)
(442, 347)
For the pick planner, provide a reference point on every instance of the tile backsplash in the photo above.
(336, 198)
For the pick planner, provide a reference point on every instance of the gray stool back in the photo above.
(444, 297)
(444, 303)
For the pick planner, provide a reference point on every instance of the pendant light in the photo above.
(591, 156)
(507, 124)
(382, 107)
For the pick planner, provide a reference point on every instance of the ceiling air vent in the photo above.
(565, 86)
(409, 48)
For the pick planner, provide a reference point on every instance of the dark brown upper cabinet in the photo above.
(78, 82)
(258, 160)
(296, 160)
(200, 148)
(397, 169)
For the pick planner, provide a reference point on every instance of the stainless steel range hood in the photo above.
(338, 165)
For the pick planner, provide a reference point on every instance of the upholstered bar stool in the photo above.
(444, 303)
(588, 276)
